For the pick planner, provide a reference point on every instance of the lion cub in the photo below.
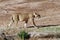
(24, 17)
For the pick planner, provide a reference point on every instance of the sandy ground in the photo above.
(48, 9)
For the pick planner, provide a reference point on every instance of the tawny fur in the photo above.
(24, 17)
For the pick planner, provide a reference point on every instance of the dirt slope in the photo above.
(48, 9)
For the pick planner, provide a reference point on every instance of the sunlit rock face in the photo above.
(43, 7)
(49, 10)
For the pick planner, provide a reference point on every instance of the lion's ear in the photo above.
(35, 14)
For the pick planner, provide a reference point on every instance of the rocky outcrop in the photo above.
(48, 9)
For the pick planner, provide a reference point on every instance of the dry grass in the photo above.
(42, 30)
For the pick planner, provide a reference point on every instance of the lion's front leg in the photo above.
(25, 24)
(31, 19)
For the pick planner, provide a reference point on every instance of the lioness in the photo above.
(24, 17)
